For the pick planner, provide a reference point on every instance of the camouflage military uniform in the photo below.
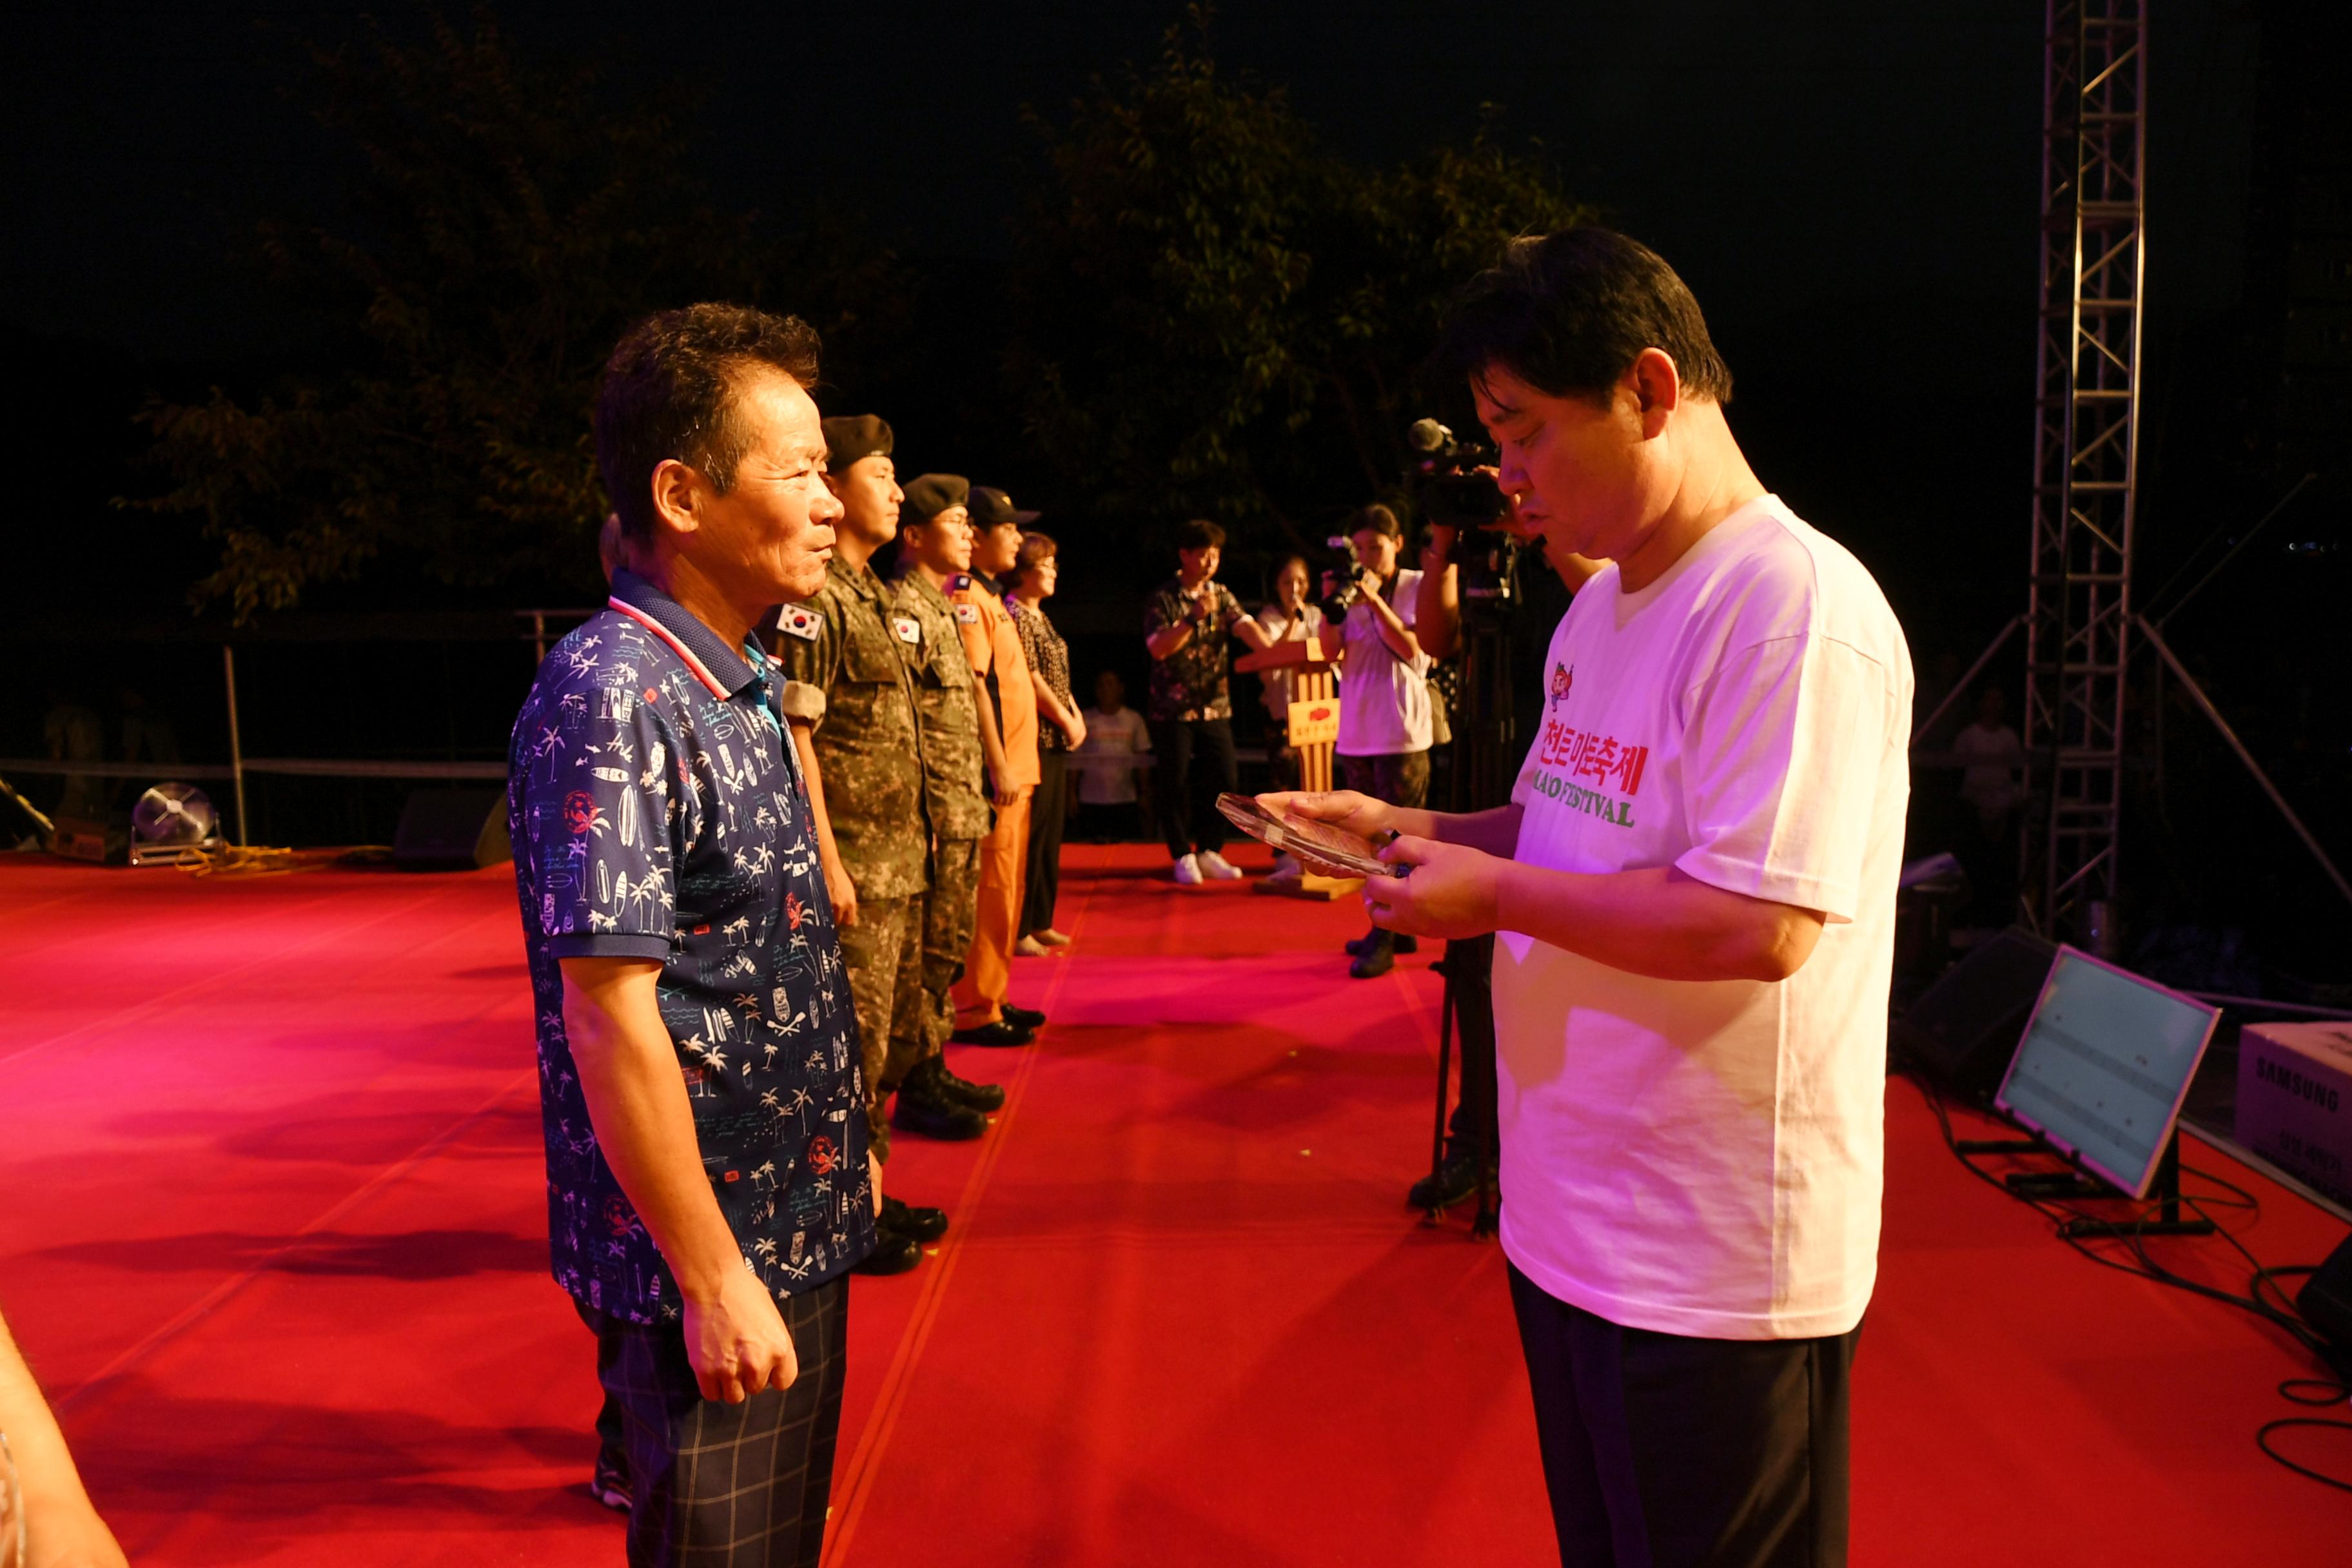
(949, 721)
(844, 651)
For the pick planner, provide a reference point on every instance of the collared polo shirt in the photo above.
(657, 812)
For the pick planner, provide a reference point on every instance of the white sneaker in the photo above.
(1216, 866)
(1289, 871)
(1188, 871)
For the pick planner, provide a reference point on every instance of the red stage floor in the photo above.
(274, 1237)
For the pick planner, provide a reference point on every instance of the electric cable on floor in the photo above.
(2077, 1229)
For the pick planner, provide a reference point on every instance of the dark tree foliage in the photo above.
(1217, 317)
(506, 222)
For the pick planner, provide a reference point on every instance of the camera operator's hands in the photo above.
(1367, 583)
(1454, 890)
(1342, 809)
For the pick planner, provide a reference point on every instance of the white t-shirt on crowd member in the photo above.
(1383, 700)
(1707, 1159)
(1120, 734)
(1992, 785)
(1276, 685)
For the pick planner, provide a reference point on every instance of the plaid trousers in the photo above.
(727, 1486)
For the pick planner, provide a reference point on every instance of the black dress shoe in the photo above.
(1027, 1017)
(1004, 1032)
(1374, 962)
(893, 1253)
(921, 1107)
(1455, 1179)
(963, 1090)
(1358, 946)
(911, 1220)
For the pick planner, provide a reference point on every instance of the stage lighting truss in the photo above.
(2086, 451)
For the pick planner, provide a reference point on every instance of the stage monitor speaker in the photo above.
(1963, 1030)
(2325, 1300)
(452, 829)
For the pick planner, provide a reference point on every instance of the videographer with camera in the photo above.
(1384, 710)
(1693, 892)
(1526, 606)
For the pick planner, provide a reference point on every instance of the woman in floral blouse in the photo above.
(1031, 583)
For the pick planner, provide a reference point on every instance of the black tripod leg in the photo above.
(1444, 1053)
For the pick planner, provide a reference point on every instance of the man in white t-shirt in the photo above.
(1693, 891)
(1385, 720)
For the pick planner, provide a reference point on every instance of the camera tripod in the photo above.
(1484, 765)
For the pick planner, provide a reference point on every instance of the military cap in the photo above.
(931, 494)
(852, 437)
(992, 508)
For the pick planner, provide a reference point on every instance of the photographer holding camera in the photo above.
(1385, 722)
(1693, 896)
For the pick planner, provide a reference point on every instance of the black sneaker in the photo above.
(911, 1220)
(921, 1107)
(963, 1090)
(608, 1483)
(1455, 1180)
(1027, 1017)
(894, 1253)
(1357, 947)
(1004, 1032)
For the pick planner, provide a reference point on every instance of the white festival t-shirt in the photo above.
(1706, 1158)
(1119, 735)
(1383, 700)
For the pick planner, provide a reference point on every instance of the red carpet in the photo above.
(274, 1237)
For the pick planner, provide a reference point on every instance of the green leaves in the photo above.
(1217, 317)
(505, 224)
(1211, 313)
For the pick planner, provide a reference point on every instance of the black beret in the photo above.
(853, 437)
(931, 494)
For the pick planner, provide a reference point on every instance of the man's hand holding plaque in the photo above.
(1331, 834)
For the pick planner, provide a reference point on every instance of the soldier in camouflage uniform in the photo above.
(852, 707)
(935, 553)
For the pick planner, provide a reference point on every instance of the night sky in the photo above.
(1850, 189)
(1792, 159)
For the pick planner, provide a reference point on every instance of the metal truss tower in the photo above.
(2085, 460)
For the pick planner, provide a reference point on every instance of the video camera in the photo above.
(1452, 491)
(1342, 587)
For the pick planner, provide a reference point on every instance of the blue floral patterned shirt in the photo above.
(657, 812)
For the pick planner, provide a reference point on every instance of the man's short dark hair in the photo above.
(1377, 518)
(1568, 313)
(669, 392)
(1199, 533)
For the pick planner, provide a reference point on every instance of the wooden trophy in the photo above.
(1313, 732)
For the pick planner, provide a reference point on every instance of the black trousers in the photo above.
(726, 1486)
(1661, 1451)
(1399, 778)
(1196, 765)
(1049, 815)
(1470, 975)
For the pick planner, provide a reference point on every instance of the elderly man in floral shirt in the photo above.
(1185, 625)
(709, 1184)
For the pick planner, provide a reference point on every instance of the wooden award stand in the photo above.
(1313, 732)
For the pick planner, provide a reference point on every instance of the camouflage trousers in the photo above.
(884, 954)
(948, 920)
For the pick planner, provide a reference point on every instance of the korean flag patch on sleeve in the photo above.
(799, 621)
(968, 614)
(910, 631)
